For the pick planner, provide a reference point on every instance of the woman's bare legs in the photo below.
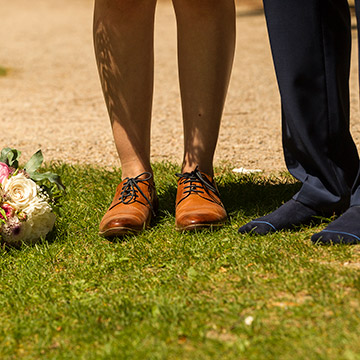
(123, 40)
(206, 42)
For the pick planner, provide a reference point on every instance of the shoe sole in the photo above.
(118, 231)
(122, 231)
(195, 227)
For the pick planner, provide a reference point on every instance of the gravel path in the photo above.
(52, 99)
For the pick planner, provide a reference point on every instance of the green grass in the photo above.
(3, 71)
(168, 295)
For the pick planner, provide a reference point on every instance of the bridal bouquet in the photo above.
(27, 198)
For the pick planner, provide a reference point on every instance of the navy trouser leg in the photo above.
(355, 198)
(311, 42)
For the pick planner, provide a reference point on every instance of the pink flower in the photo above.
(4, 172)
(9, 211)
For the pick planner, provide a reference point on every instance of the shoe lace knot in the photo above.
(130, 189)
(195, 183)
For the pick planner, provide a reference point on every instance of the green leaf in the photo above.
(34, 163)
(3, 155)
(13, 158)
(10, 157)
(53, 178)
(3, 213)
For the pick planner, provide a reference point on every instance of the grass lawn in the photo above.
(3, 71)
(169, 295)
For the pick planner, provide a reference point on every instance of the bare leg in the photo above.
(123, 39)
(206, 41)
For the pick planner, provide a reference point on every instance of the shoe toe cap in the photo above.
(198, 219)
(121, 225)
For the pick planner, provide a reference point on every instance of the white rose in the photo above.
(36, 207)
(40, 218)
(42, 225)
(21, 191)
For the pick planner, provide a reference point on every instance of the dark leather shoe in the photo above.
(198, 203)
(134, 204)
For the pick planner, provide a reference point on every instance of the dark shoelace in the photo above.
(130, 189)
(195, 183)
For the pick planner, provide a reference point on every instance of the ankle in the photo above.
(189, 167)
(134, 171)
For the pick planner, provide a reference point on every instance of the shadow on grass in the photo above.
(256, 195)
(253, 195)
(167, 199)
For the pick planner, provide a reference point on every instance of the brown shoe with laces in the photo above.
(198, 203)
(135, 203)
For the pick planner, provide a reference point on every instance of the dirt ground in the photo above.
(52, 99)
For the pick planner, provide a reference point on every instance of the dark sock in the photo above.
(344, 230)
(287, 216)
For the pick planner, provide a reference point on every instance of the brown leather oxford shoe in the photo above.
(134, 204)
(198, 203)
